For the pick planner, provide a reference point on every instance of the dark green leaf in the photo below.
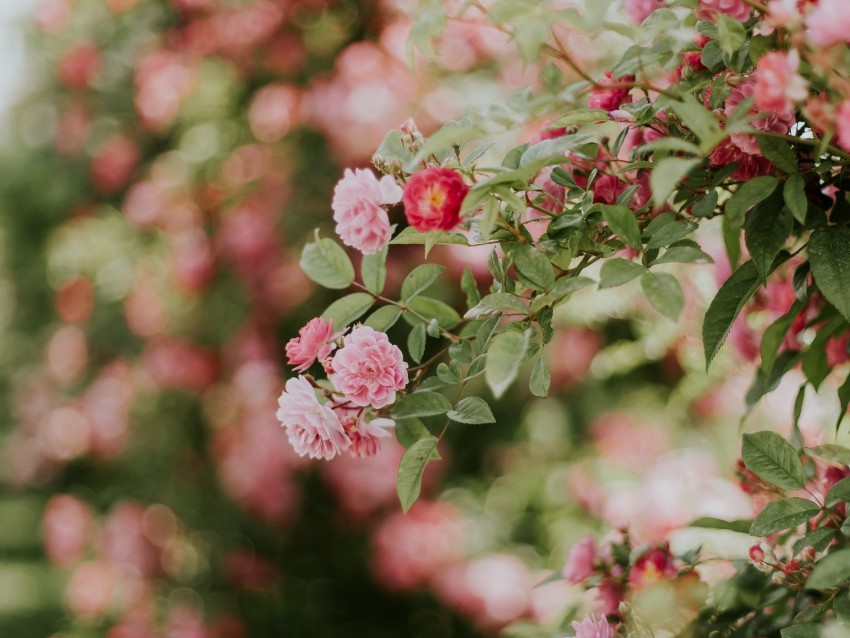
(409, 431)
(794, 194)
(838, 493)
(708, 522)
(804, 630)
(841, 606)
(666, 176)
(470, 288)
(765, 230)
(683, 254)
(534, 267)
(831, 572)
(781, 515)
(774, 460)
(749, 194)
(497, 303)
(779, 152)
(774, 335)
(819, 539)
(829, 254)
(616, 271)
(670, 233)
(623, 223)
(411, 468)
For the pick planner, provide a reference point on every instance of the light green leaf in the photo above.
(446, 316)
(496, 303)
(730, 33)
(841, 606)
(419, 279)
(802, 630)
(422, 403)
(623, 222)
(411, 468)
(829, 254)
(412, 236)
(666, 176)
(416, 342)
(383, 318)
(409, 431)
(472, 410)
(684, 255)
(470, 288)
(699, 119)
(534, 267)
(670, 234)
(774, 460)
(831, 572)
(504, 357)
(832, 452)
(819, 539)
(839, 493)
(794, 194)
(325, 262)
(540, 379)
(348, 309)
(373, 269)
(664, 293)
(617, 271)
(781, 515)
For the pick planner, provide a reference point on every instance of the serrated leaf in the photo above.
(473, 411)
(664, 292)
(781, 515)
(325, 262)
(348, 309)
(829, 254)
(749, 194)
(534, 267)
(419, 279)
(411, 468)
(724, 308)
(623, 223)
(831, 572)
(416, 342)
(617, 271)
(794, 194)
(666, 176)
(497, 303)
(422, 403)
(540, 380)
(504, 357)
(433, 309)
(773, 460)
(383, 318)
(373, 270)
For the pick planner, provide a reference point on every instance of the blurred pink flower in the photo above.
(113, 163)
(433, 197)
(361, 221)
(736, 9)
(79, 65)
(610, 99)
(368, 369)
(66, 527)
(843, 122)
(314, 429)
(580, 560)
(274, 110)
(653, 566)
(639, 10)
(829, 23)
(90, 591)
(591, 627)
(773, 121)
(313, 342)
(778, 83)
(784, 13)
(51, 16)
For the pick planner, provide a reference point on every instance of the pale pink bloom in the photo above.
(91, 588)
(829, 23)
(313, 342)
(274, 110)
(368, 369)
(843, 124)
(591, 627)
(778, 84)
(361, 222)
(773, 121)
(783, 13)
(314, 429)
(639, 10)
(579, 563)
(65, 528)
(366, 437)
(733, 8)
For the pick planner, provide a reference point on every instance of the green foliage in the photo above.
(774, 460)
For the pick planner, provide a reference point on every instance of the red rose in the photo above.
(432, 199)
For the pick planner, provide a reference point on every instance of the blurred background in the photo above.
(162, 162)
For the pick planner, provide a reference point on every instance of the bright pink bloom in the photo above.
(653, 566)
(433, 197)
(829, 23)
(579, 563)
(778, 84)
(366, 438)
(610, 99)
(368, 369)
(591, 627)
(361, 221)
(843, 124)
(312, 342)
(756, 554)
(639, 10)
(749, 166)
(773, 121)
(733, 8)
(314, 429)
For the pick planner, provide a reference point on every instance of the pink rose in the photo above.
(773, 121)
(314, 429)
(365, 436)
(368, 369)
(361, 221)
(843, 123)
(433, 197)
(654, 566)
(311, 343)
(783, 13)
(579, 563)
(778, 84)
(639, 10)
(610, 99)
(733, 8)
(591, 627)
(829, 23)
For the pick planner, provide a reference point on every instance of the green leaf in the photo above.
(774, 335)
(422, 403)
(831, 572)
(409, 431)
(664, 293)
(794, 194)
(774, 460)
(373, 269)
(411, 468)
(724, 308)
(416, 342)
(700, 120)
(470, 288)
(683, 255)
(504, 357)
(383, 318)
(765, 231)
(412, 236)
(325, 262)
(616, 272)
(497, 303)
(419, 279)
(749, 194)
(666, 177)
(472, 410)
(623, 223)
(540, 379)
(782, 515)
(730, 33)
(838, 493)
(831, 451)
(534, 267)
(446, 316)
(829, 254)
(803, 630)
(843, 401)
(779, 152)
(741, 526)
(670, 233)
(348, 309)
(819, 539)
(841, 605)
